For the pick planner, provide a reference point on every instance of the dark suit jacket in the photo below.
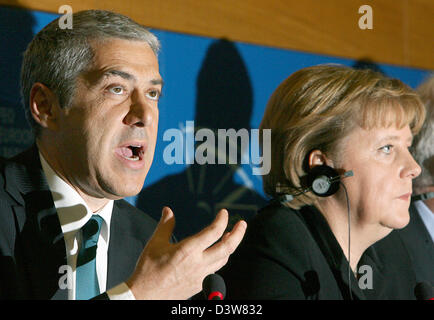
(32, 247)
(288, 254)
(420, 246)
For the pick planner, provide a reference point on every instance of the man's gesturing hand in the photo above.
(175, 271)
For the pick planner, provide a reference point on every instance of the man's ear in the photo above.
(44, 106)
(318, 158)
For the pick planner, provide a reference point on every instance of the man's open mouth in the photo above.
(132, 152)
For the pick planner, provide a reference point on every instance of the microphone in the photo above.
(213, 287)
(424, 291)
(423, 196)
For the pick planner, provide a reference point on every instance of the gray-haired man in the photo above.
(91, 94)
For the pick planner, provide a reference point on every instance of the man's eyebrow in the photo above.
(158, 81)
(119, 73)
(128, 76)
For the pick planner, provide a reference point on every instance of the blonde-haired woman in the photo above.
(327, 121)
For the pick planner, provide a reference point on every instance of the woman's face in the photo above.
(380, 190)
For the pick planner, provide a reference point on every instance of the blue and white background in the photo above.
(214, 82)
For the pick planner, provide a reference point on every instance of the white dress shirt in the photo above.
(73, 214)
(427, 216)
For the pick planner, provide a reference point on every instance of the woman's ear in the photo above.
(44, 106)
(318, 158)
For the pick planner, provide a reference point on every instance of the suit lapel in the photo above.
(124, 247)
(39, 248)
(418, 224)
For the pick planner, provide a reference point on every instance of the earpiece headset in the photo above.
(323, 181)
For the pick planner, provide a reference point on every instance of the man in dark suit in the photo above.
(419, 241)
(418, 235)
(91, 95)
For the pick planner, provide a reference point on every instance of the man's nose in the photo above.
(140, 112)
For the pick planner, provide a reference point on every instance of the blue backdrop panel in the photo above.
(215, 83)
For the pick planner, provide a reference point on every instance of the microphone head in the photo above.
(213, 287)
(424, 291)
(348, 174)
(285, 198)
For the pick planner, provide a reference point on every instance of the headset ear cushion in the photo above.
(319, 178)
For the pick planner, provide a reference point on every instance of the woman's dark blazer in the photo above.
(289, 254)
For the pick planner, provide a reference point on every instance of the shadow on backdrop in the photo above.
(224, 101)
(367, 63)
(16, 33)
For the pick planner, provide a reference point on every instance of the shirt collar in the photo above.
(72, 210)
(426, 215)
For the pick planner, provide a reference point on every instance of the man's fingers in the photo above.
(164, 230)
(210, 234)
(228, 244)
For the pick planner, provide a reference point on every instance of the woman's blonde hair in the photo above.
(316, 107)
